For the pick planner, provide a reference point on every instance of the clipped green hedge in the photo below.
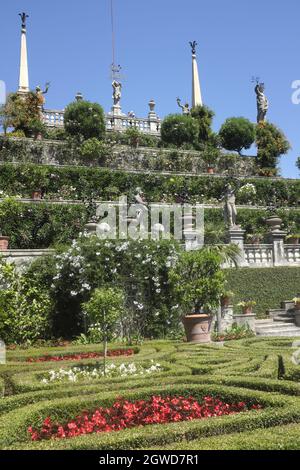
(267, 286)
(41, 225)
(82, 182)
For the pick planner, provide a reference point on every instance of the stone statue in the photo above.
(23, 18)
(40, 94)
(117, 93)
(262, 102)
(193, 45)
(230, 211)
(185, 108)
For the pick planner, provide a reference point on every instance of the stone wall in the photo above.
(21, 150)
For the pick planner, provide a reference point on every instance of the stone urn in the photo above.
(197, 328)
(4, 243)
(274, 223)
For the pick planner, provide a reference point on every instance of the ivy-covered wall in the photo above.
(268, 287)
(123, 157)
(73, 182)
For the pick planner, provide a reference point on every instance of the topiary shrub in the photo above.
(179, 129)
(84, 120)
(204, 117)
(271, 143)
(23, 113)
(93, 150)
(237, 134)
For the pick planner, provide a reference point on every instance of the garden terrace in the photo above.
(241, 371)
(79, 183)
(124, 157)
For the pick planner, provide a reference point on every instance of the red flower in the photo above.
(77, 357)
(124, 414)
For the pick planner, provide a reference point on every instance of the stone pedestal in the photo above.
(236, 237)
(245, 320)
(226, 318)
(277, 238)
(91, 228)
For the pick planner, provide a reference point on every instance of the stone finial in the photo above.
(152, 105)
(79, 96)
(193, 45)
(24, 17)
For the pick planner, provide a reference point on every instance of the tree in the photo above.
(23, 113)
(204, 117)
(93, 150)
(84, 120)
(198, 280)
(105, 308)
(237, 134)
(271, 144)
(179, 129)
(298, 163)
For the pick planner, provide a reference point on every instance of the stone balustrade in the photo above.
(259, 255)
(149, 125)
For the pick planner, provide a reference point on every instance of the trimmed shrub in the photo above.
(85, 120)
(271, 143)
(179, 129)
(237, 134)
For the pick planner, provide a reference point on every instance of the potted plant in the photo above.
(247, 306)
(297, 303)
(198, 283)
(227, 298)
(254, 239)
(293, 239)
(36, 195)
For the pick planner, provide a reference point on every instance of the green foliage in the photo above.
(24, 307)
(23, 113)
(89, 264)
(267, 286)
(271, 144)
(84, 120)
(41, 225)
(93, 151)
(133, 136)
(204, 117)
(105, 309)
(234, 333)
(179, 129)
(298, 163)
(198, 280)
(237, 134)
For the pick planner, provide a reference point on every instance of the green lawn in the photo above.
(246, 370)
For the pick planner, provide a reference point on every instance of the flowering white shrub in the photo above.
(247, 193)
(75, 374)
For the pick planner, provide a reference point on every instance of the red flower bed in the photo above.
(77, 357)
(124, 414)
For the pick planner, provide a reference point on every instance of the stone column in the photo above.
(196, 90)
(226, 318)
(23, 77)
(277, 238)
(236, 237)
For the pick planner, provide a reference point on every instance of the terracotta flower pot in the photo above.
(197, 328)
(297, 306)
(210, 170)
(293, 241)
(247, 310)
(36, 195)
(4, 243)
(225, 301)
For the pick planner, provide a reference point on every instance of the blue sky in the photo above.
(69, 44)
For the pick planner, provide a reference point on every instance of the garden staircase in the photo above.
(281, 322)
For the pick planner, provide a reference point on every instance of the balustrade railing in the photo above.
(55, 118)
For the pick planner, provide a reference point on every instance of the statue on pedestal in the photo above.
(117, 92)
(23, 18)
(193, 45)
(230, 211)
(185, 108)
(262, 102)
(40, 94)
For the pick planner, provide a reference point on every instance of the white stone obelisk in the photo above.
(196, 89)
(23, 77)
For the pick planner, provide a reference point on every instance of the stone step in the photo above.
(275, 325)
(288, 333)
(287, 305)
(275, 312)
(287, 319)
